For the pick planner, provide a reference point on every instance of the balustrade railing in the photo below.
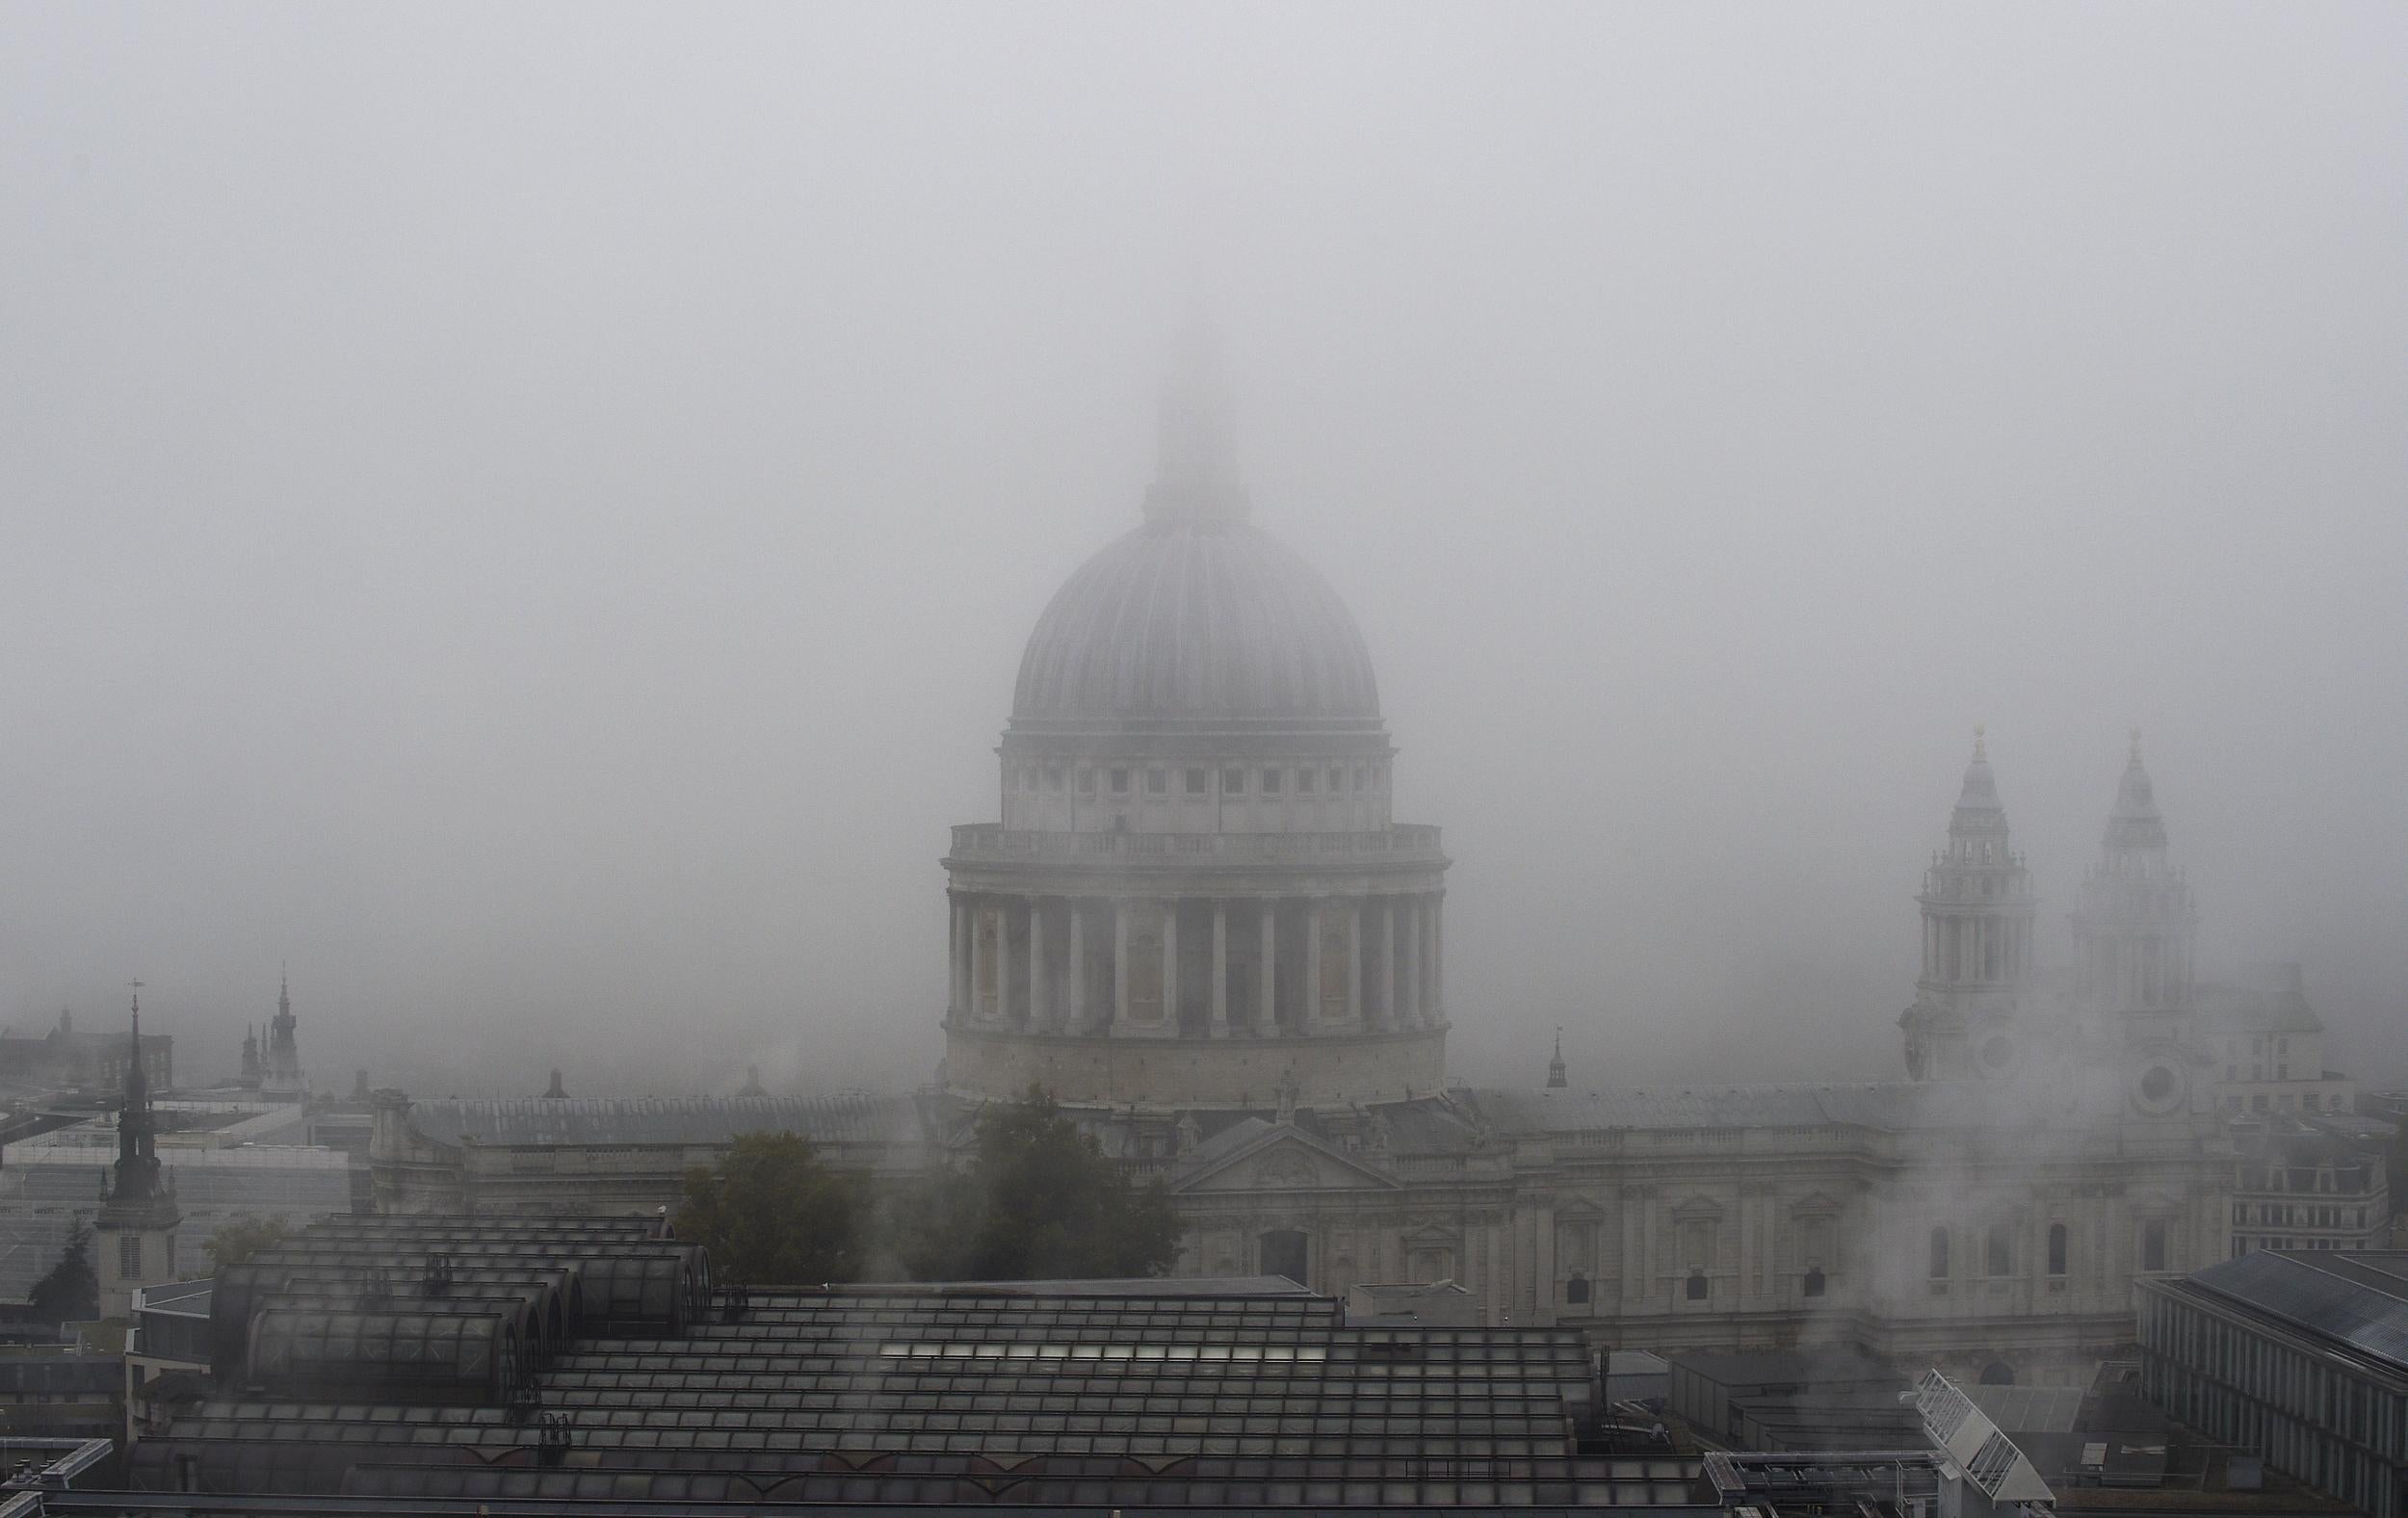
(991, 841)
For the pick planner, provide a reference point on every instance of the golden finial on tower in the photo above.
(1982, 745)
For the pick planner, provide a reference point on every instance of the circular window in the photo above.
(2158, 1083)
(1998, 1052)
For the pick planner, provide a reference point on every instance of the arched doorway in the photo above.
(1998, 1372)
(1285, 1253)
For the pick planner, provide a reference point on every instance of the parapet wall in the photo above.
(1323, 1070)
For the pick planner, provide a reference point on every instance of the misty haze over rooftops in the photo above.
(538, 523)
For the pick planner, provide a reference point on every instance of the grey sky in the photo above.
(532, 513)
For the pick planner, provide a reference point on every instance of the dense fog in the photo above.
(531, 515)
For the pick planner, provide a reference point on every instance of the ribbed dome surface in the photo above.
(1190, 622)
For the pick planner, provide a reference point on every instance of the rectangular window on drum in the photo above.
(1199, 780)
(1233, 782)
(1271, 782)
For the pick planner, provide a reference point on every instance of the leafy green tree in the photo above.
(771, 1215)
(1037, 1200)
(70, 1293)
(238, 1239)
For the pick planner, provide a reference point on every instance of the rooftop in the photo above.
(851, 1117)
(2356, 1300)
(1044, 1393)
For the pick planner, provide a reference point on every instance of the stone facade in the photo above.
(1747, 1218)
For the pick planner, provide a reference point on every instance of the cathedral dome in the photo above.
(1196, 618)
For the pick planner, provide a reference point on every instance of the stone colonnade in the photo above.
(1970, 947)
(1219, 967)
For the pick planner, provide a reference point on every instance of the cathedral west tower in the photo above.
(1977, 909)
(2135, 928)
(1196, 895)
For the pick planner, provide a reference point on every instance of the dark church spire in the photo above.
(283, 1062)
(1556, 1076)
(137, 1173)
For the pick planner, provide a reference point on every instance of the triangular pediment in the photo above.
(1272, 1156)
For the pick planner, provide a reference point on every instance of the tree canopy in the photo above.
(238, 1239)
(1038, 1199)
(70, 1293)
(771, 1215)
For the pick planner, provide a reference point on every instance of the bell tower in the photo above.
(2134, 929)
(1978, 908)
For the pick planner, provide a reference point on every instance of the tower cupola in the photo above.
(1977, 910)
(2135, 922)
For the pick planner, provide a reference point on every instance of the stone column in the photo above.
(1354, 962)
(1438, 957)
(1170, 964)
(1388, 963)
(1428, 923)
(1749, 1244)
(1121, 966)
(1003, 960)
(1221, 969)
(1543, 1249)
(1412, 962)
(977, 954)
(1266, 1016)
(1077, 978)
(1036, 964)
(1313, 963)
(956, 959)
